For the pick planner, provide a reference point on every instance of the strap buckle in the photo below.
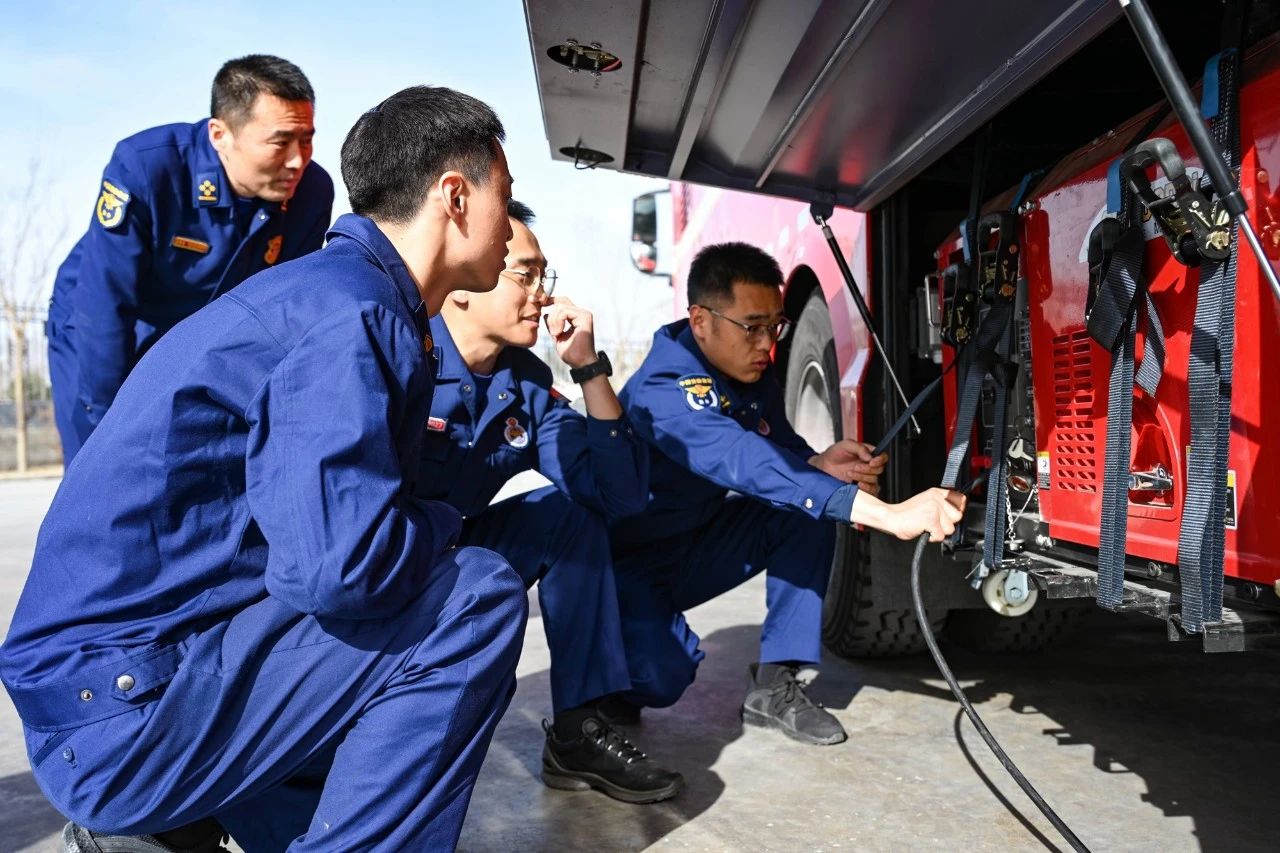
(1194, 229)
(960, 322)
(998, 270)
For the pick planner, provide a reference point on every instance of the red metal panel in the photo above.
(1070, 372)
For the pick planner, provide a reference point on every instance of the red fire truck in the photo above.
(1006, 187)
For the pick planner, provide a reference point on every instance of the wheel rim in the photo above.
(813, 421)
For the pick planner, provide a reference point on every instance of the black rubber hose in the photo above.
(923, 618)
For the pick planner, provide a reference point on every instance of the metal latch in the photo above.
(1157, 480)
(929, 324)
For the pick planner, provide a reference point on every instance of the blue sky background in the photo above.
(75, 77)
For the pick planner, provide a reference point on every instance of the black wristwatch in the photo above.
(599, 367)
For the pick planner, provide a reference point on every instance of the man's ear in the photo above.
(220, 134)
(453, 194)
(698, 321)
(460, 298)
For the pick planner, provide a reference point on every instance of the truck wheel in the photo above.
(1044, 626)
(855, 620)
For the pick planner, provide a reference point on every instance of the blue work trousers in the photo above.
(563, 547)
(661, 580)
(311, 733)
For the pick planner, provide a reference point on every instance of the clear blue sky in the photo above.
(75, 77)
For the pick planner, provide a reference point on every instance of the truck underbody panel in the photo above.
(844, 100)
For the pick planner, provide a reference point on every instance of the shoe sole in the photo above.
(759, 720)
(562, 779)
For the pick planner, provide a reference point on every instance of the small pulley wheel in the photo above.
(1008, 595)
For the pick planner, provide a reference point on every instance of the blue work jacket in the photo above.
(523, 424)
(266, 446)
(167, 236)
(709, 435)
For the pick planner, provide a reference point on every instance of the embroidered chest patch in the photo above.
(515, 434)
(273, 249)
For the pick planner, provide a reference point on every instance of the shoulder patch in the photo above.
(699, 391)
(112, 205)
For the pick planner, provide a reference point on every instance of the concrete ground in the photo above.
(1139, 744)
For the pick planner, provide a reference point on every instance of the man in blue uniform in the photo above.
(496, 414)
(185, 213)
(238, 609)
(707, 401)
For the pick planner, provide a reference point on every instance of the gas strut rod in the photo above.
(821, 213)
(1179, 94)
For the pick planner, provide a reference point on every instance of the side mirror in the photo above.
(644, 256)
(651, 232)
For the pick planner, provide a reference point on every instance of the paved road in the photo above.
(1141, 745)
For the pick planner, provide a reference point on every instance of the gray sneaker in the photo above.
(781, 704)
(205, 836)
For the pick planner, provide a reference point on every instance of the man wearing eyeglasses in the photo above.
(734, 492)
(494, 415)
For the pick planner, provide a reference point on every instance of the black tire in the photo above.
(854, 623)
(1045, 625)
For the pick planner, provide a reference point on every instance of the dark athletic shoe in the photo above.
(616, 711)
(205, 836)
(782, 704)
(603, 759)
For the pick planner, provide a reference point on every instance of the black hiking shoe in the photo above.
(205, 836)
(603, 759)
(782, 704)
(616, 711)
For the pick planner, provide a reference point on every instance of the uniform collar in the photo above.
(451, 363)
(375, 243)
(504, 389)
(210, 186)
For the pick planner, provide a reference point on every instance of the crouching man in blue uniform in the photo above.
(185, 213)
(496, 414)
(707, 401)
(238, 610)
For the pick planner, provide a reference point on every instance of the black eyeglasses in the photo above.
(532, 281)
(756, 331)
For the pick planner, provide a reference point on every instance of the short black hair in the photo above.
(398, 149)
(239, 82)
(520, 212)
(716, 268)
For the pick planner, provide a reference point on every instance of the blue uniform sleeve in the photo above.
(600, 464)
(840, 505)
(116, 255)
(337, 425)
(691, 430)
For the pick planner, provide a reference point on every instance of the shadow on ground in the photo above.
(26, 818)
(1199, 731)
